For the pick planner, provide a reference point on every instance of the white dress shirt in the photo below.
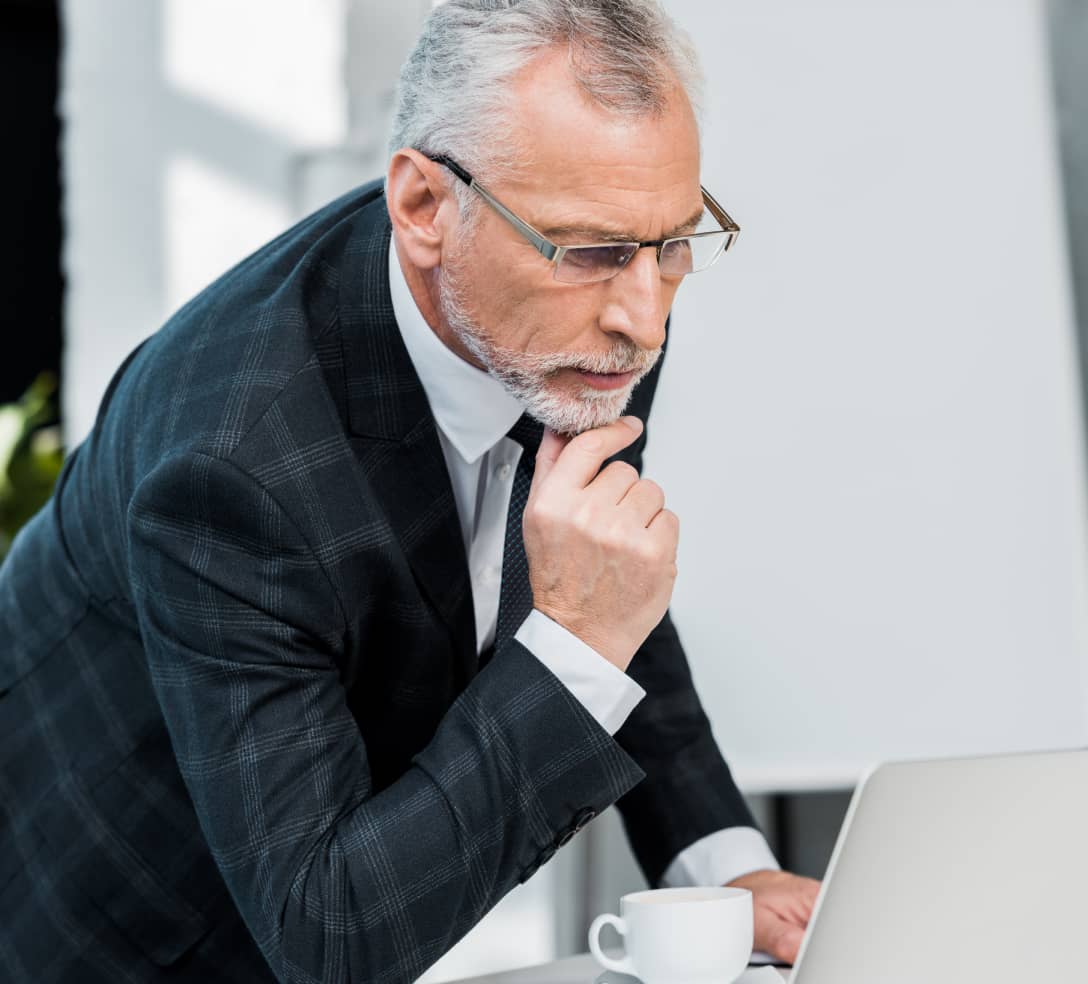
(473, 412)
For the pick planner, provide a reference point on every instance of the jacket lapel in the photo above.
(393, 432)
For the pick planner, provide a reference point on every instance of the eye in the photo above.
(676, 257)
(599, 257)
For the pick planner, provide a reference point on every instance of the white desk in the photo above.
(582, 969)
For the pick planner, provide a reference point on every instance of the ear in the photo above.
(421, 207)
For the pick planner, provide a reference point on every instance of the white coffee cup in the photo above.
(680, 935)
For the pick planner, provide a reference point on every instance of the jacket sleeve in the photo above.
(688, 791)
(242, 628)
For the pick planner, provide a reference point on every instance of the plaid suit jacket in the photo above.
(243, 734)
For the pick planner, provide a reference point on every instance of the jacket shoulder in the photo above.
(210, 373)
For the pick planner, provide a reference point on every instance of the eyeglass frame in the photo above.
(554, 253)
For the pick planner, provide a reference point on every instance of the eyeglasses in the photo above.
(595, 262)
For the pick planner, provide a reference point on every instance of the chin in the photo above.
(571, 414)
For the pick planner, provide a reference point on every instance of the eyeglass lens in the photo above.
(585, 264)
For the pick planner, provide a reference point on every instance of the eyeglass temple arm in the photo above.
(718, 212)
(548, 249)
(543, 246)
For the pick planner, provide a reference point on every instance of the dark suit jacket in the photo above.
(243, 733)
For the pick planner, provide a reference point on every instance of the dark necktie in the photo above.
(515, 594)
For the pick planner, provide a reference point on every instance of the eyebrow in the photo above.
(602, 235)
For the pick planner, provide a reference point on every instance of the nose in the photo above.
(635, 304)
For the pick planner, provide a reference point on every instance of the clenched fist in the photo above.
(601, 547)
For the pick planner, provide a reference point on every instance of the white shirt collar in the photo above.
(472, 407)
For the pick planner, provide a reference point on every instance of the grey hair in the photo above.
(454, 94)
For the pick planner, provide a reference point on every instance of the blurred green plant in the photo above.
(31, 455)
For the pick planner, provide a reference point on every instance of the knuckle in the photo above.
(648, 551)
(631, 542)
(541, 512)
(653, 492)
(666, 552)
(653, 546)
(584, 517)
(615, 538)
(666, 525)
(777, 935)
(651, 487)
(622, 469)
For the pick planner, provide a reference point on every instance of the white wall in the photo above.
(195, 130)
(869, 423)
(183, 120)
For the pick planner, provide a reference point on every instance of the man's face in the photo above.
(573, 353)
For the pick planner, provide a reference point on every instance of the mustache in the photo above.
(624, 356)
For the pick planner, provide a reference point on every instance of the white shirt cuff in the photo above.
(603, 689)
(720, 857)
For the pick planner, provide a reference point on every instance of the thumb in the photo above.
(551, 446)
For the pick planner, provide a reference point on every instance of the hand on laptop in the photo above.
(782, 905)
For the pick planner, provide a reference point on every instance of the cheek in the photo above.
(565, 320)
(534, 313)
(668, 292)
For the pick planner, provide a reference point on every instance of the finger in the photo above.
(644, 500)
(614, 481)
(782, 940)
(581, 459)
(551, 447)
(809, 889)
(799, 899)
(665, 523)
(664, 530)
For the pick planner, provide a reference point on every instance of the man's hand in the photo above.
(782, 905)
(601, 547)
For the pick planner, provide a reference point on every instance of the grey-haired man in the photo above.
(336, 628)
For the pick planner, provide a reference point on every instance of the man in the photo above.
(269, 709)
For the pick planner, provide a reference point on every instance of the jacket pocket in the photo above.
(92, 856)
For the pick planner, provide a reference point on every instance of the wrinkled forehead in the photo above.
(580, 161)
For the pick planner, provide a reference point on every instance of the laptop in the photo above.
(958, 871)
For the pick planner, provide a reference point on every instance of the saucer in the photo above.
(753, 975)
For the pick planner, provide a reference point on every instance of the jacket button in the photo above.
(583, 817)
(567, 837)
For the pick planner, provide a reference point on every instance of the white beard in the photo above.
(529, 377)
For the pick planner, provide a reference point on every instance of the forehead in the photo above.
(589, 166)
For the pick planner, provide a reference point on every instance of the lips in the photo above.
(606, 380)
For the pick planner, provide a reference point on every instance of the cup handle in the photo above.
(623, 966)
